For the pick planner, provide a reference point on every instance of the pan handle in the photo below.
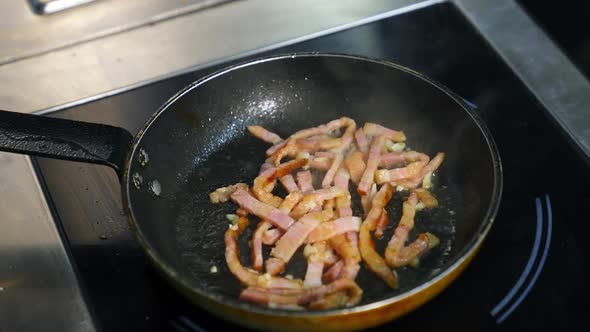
(64, 139)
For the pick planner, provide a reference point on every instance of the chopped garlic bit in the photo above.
(213, 269)
(233, 218)
(397, 147)
(420, 206)
(233, 227)
(289, 276)
(302, 155)
(427, 182)
(400, 188)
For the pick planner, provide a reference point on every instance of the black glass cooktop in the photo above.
(529, 275)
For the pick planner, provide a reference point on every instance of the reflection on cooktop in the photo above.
(530, 273)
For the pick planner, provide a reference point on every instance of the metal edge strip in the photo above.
(546, 71)
(369, 19)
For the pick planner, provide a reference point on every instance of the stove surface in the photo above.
(529, 275)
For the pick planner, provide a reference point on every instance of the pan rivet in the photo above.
(137, 180)
(155, 188)
(143, 157)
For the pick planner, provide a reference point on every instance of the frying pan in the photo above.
(197, 142)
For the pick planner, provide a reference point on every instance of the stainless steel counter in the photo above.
(38, 287)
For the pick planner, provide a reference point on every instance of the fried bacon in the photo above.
(261, 210)
(373, 129)
(329, 229)
(222, 195)
(289, 183)
(264, 134)
(374, 261)
(321, 222)
(396, 253)
(372, 163)
(246, 276)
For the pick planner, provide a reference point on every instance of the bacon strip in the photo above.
(274, 266)
(381, 224)
(261, 210)
(373, 260)
(295, 236)
(264, 183)
(329, 229)
(343, 204)
(265, 134)
(315, 199)
(396, 254)
(333, 272)
(257, 259)
(355, 164)
(304, 180)
(320, 163)
(305, 296)
(315, 264)
(222, 195)
(329, 177)
(426, 197)
(432, 166)
(271, 236)
(372, 163)
(289, 183)
(402, 173)
(361, 140)
(247, 276)
(373, 129)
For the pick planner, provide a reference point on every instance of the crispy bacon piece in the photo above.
(333, 272)
(347, 137)
(315, 144)
(264, 183)
(373, 129)
(257, 259)
(271, 236)
(373, 260)
(402, 173)
(331, 173)
(315, 199)
(265, 134)
(304, 180)
(294, 237)
(361, 140)
(396, 253)
(372, 163)
(222, 195)
(246, 276)
(302, 297)
(273, 149)
(329, 229)
(289, 183)
(426, 197)
(381, 224)
(315, 254)
(432, 166)
(366, 200)
(343, 204)
(355, 164)
(274, 266)
(399, 158)
(320, 163)
(261, 210)
(290, 148)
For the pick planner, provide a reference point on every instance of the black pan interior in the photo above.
(199, 142)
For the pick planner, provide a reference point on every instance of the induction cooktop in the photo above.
(530, 273)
